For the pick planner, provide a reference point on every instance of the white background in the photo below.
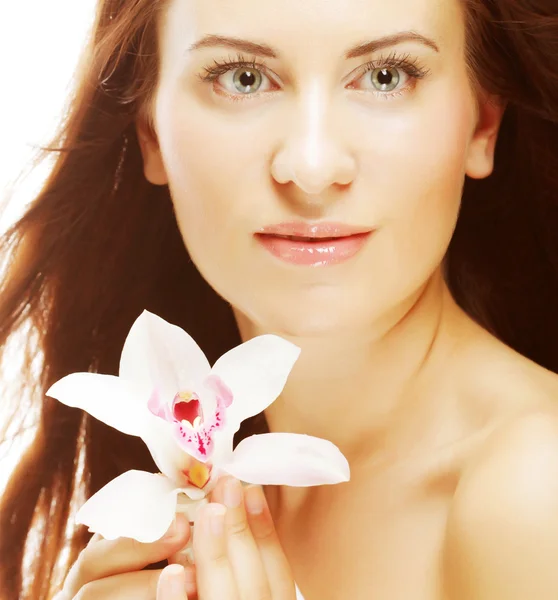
(40, 43)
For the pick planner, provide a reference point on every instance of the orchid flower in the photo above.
(187, 413)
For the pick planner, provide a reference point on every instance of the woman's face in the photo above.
(314, 137)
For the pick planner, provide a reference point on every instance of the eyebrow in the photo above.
(260, 49)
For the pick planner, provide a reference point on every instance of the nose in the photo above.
(311, 155)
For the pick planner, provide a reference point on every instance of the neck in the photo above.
(362, 389)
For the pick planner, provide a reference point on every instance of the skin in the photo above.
(238, 557)
(436, 408)
(369, 323)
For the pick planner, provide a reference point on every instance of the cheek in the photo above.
(214, 177)
(207, 179)
(422, 180)
(414, 178)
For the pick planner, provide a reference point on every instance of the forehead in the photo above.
(290, 25)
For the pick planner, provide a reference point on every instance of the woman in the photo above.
(427, 131)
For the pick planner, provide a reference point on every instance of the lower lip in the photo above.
(314, 254)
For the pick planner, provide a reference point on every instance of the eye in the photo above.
(238, 78)
(392, 76)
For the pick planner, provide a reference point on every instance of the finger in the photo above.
(172, 584)
(106, 558)
(215, 577)
(279, 575)
(244, 555)
(141, 585)
(190, 577)
(190, 583)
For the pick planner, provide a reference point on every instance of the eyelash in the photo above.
(410, 66)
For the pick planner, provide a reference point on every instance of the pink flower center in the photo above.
(193, 430)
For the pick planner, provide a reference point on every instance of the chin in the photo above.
(318, 310)
(294, 321)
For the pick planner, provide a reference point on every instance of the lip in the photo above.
(316, 230)
(318, 253)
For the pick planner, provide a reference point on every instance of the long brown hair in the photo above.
(88, 256)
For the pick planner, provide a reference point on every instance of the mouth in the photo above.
(313, 251)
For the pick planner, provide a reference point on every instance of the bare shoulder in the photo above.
(502, 529)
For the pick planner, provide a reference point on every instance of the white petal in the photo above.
(288, 459)
(223, 446)
(135, 505)
(162, 356)
(256, 372)
(106, 397)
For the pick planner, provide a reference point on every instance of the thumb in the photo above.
(172, 583)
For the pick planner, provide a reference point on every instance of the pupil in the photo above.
(384, 78)
(247, 79)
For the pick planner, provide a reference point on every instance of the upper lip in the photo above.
(316, 230)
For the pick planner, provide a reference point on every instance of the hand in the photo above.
(237, 552)
(111, 569)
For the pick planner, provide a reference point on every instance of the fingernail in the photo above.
(174, 584)
(217, 519)
(255, 500)
(233, 493)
